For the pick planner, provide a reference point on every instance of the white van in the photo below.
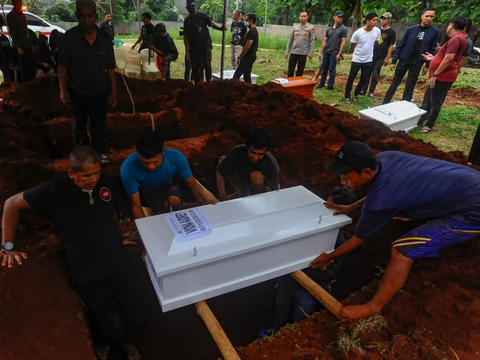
(34, 23)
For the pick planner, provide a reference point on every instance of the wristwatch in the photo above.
(7, 246)
(434, 75)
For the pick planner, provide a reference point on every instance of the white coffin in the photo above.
(400, 115)
(228, 75)
(254, 239)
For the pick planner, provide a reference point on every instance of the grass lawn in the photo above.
(455, 126)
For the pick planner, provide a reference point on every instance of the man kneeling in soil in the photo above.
(84, 205)
(249, 168)
(403, 185)
(147, 176)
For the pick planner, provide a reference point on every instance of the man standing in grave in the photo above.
(85, 205)
(250, 168)
(147, 176)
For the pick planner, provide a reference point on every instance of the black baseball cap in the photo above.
(339, 13)
(353, 155)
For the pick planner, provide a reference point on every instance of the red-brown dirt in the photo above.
(435, 316)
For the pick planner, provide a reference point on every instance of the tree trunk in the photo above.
(286, 15)
(356, 14)
(423, 5)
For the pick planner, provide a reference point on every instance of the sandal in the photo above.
(347, 101)
(355, 98)
(103, 159)
(426, 130)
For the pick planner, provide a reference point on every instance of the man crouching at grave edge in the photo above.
(147, 176)
(85, 206)
(408, 186)
(250, 168)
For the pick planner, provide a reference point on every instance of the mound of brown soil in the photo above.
(205, 122)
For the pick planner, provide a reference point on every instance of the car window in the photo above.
(33, 20)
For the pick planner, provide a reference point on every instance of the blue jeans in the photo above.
(329, 64)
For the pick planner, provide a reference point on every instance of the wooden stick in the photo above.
(319, 293)
(215, 329)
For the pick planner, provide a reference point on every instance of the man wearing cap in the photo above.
(85, 61)
(362, 43)
(381, 53)
(418, 40)
(198, 43)
(147, 33)
(300, 45)
(332, 48)
(407, 186)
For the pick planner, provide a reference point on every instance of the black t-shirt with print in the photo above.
(148, 33)
(415, 53)
(239, 30)
(387, 38)
(88, 224)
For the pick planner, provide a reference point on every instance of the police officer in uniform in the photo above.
(300, 45)
(84, 206)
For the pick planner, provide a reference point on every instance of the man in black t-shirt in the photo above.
(7, 54)
(165, 47)
(250, 168)
(249, 53)
(198, 44)
(381, 52)
(84, 206)
(148, 32)
(239, 31)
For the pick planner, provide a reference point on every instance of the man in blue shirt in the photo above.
(403, 185)
(147, 176)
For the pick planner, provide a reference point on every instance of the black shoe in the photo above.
(319, 86)
(329, 88)
(266, 332)
(363, 92)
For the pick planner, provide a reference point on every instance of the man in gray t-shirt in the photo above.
(332, 48)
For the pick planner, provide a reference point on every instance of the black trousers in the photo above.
(201, 63)
(366, 69)
(27, 65)
(400, 71)
(474, 155)
(245, 69)
(82, 108)
(433, 101)
(295, 59)
(376, 68)
(115, 306)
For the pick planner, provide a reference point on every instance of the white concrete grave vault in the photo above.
(253, 239)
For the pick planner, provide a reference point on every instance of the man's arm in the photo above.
(137, 207)
(462, 62)
(140, 39)
(187, 47)
(62, 79)
(344, 209)
(246, 47)
(222, 194)
(352, 47)
(10, 218)
(324, 43)
(311, 48)
(290, 43)
(113, 84)
(389, 53)
(400, 46)
(444, 64)
(197, 190)
(216, 26)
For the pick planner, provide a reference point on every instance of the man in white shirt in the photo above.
(362, 44)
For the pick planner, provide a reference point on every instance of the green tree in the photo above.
(168, 15)
(61, 11)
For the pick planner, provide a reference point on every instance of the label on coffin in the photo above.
(188, 225)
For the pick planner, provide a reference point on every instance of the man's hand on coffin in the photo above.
(340, 209)
(322, 261)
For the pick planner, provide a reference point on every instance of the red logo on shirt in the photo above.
(105, 194)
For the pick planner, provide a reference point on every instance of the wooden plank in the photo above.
(332, 304)
(215, 329)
